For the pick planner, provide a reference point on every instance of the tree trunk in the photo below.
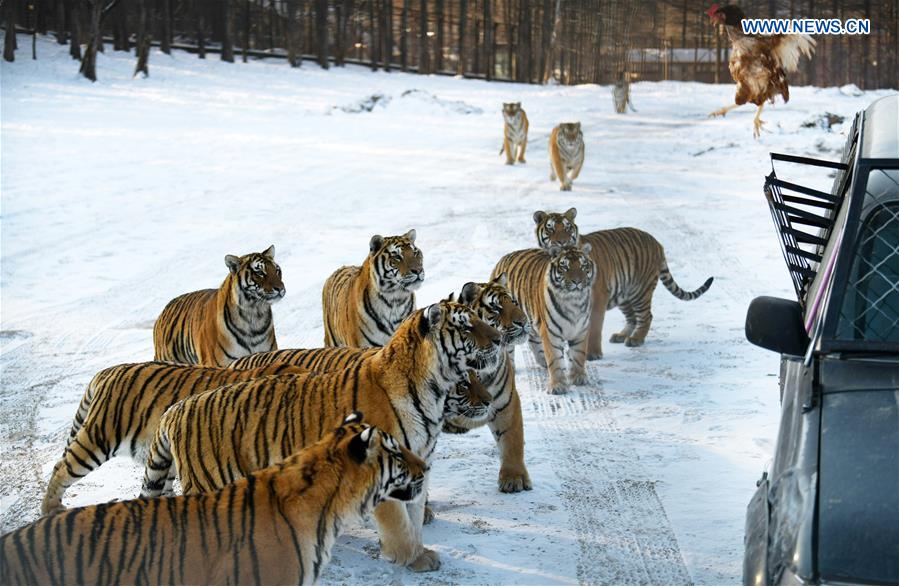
(89, 61)
(488, 39)
(120, 27)
(553, 41)
(75, 28)
(424, 65)
(246, 30)
(201, 28)
(9, 39)
(228, 31)
(60, 22)
(438, 56)
(321, 31)
(292, 29)
(374, 39)
(404, 38)
(387, 33)
(143, 39)
(463, 25)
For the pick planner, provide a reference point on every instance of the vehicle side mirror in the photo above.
(776, 324)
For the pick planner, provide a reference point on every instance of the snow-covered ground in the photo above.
(119, 195)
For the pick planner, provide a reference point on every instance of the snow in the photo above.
(119, 195)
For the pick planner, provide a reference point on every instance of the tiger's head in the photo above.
(571, 269)
(463, 341)
(494, 303)
(396, 263)
(468, 400)
(570, 132)
(555, 230)
(258, 276)
(511, 111)
(375, 462)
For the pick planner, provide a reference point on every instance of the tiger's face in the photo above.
(462, 339)
(396, 262)
(511, 111)
(258, 275)
(556, 230)
(494, 304)
(399, 474)
(570, 132)
(571, 269)
(469, 400)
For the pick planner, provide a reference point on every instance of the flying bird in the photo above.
(758, 63)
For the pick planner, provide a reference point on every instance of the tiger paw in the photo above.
(594, 356)
(428, 561)
(514, 482)
(617, 338)
(429, 515)
(510, 162)
(450, 428)
(578, 378)
(558, 388)
(633, 342)
(522, 161)
(565, 187)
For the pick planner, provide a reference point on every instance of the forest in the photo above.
(530, 41)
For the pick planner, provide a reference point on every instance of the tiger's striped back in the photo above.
(307, 359)
(213, 327)
(554, 289)
(362, 306)
(276, 526)
(121, 409)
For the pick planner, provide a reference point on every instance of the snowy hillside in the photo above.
(119, 195)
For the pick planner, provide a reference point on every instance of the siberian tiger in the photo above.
(566, 153)
(363, 306)
(629, 263)
(276, 526)
(494, 304)
(214, 438)
(555, 291)
(515, 132)
(121, 409)
(213, 327)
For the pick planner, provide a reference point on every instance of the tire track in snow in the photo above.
(623, 532)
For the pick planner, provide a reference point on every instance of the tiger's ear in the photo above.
(430, 317)
(354, 417)
(577, 125)
(359, 445)
(410, 235)
(502, 279)
(518, 104)
(232, 262)
(469, 292)
(539, 216)
(269, 252)
(375, 244)
(586, 248)
(571, 214)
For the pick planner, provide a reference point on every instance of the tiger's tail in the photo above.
(672, 286)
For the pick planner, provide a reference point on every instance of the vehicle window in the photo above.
(870, 309)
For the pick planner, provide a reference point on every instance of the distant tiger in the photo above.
(515, 132)
(629, 263)
(216, 437)
(213, 327)
(276, 526)
(120, 411)
(566, 153)
(554, 288)
(363, 306)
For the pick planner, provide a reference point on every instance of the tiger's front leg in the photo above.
(555, 361)
(522, 147)
(399, 528)
(510, 151)
(597, 318)
(577, 354)
(507, 427)
(536, 346)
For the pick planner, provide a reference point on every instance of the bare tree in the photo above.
(9, 39)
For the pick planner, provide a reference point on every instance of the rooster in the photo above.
(759, 63)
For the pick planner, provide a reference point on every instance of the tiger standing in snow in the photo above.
(362, 306)
(515, 132)
(566, 153)
(629, 263)
(214, 327)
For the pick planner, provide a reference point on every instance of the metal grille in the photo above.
(803, 218)
(870, 309)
